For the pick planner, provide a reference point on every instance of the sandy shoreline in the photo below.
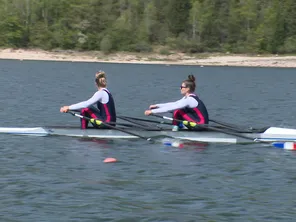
(151, 58)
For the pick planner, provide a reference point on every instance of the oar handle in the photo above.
(163, 117)
(167, 118)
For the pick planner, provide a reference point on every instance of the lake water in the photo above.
(65, 179)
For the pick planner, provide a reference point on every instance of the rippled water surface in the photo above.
(65, 179)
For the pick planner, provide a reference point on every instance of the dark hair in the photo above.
(101, 79)
(190, 83)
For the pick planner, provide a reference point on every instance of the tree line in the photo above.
(192, 26)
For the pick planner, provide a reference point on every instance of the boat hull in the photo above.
(272, 134)
(115, 134)
(33, 131)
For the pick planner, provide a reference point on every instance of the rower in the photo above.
(105, 111)
(189, 108)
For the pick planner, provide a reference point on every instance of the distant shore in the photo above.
(152, 58)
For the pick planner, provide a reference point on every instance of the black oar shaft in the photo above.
(145, 120)
(110, 126)
(121, 124)
(206, 126)
(137, 124)
(232, 126)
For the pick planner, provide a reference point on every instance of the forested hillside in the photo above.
(236, 26)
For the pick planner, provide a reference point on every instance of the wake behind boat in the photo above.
(271, 134)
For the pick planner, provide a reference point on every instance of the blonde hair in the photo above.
(101, 79)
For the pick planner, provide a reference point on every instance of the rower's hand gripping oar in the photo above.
(97, 121)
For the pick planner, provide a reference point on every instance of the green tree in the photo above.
(11, 32)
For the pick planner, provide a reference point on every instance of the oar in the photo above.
(140, 125)
(145, 120)
(128, 119)
(206, 126)
(122, 124)
(234, 127)
(119, 129)
(109, 126)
